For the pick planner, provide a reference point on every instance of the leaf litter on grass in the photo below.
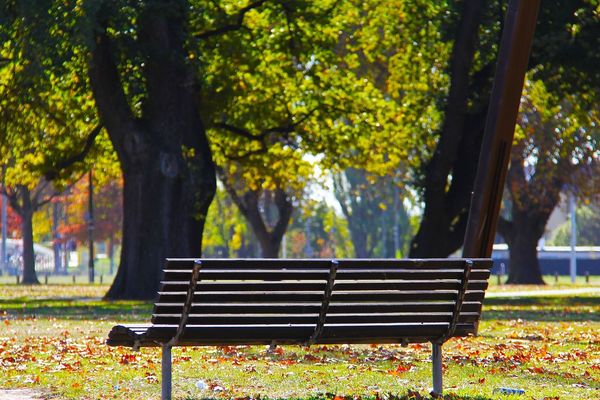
(67, 356)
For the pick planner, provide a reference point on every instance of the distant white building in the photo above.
(44, 257)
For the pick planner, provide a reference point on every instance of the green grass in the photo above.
(52, 340)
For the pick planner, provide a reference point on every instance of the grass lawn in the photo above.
(52, 340)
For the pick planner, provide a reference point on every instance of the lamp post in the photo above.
(573, 258)
(91, 226)
(4, 259)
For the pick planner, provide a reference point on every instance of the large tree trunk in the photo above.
(523, 264)
(532, 203)
(450, 173)
(169, 175)
(522, 235)
(158, 223)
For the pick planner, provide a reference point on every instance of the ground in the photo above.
(52, 342)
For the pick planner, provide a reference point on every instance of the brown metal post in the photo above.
(513, 57)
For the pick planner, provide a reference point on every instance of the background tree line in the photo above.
(270, 97)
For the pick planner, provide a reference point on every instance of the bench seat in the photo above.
(205, 302)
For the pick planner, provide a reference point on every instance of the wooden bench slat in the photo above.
(253, 274)
(282, 286)
(284, 333)
(407, 285)
(321, 275)
(277, 286)
(405, 274)
(253, 263)
(441, 263)
(311, 308)
(350, 296)
(233, 263)
(210, 319)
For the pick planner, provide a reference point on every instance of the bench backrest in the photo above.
(328, 301)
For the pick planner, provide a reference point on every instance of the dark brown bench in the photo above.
(276, 301)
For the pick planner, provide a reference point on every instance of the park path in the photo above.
(21, 394)
(544, 293)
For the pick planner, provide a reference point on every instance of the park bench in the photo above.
(312, 301)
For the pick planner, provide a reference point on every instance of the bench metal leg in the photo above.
(166, 373)
(436, 361)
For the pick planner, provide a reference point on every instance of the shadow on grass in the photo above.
(549, 309)
(77, 309)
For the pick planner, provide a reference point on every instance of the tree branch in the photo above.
(231, 191)
(239, 131)
(237, 25)
(111, 102)
(53, 171)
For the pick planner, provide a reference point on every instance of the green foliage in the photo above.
(375, 213)
(47, 113)
(567, 39)
(324, 79)
(588, 228)
(556, 144)
(226, 234)
(317, 230)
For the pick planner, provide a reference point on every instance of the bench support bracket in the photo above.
(436, 362)
(166, 373)
(324, 305)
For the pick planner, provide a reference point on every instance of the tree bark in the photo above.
(168, 172)
(450, 173)
(523, 264)
(532, 203)
(522, 238)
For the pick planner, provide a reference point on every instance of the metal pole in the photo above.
(513, 56)
(166, 373)
(396, 227)
(4, 255)
(573, 258)
(56, 246)
(383, 233)
(436, 362)
(91, 226)
(283, 246)
(308, 250)
(111, 254)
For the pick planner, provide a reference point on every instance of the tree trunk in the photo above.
(268, 238)
(523, 264)
(450, 173)
(168, 171)
(26, 214)
(359, 238)
(159, 222)
(522, 235)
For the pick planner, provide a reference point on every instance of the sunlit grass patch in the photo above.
(53, 340)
